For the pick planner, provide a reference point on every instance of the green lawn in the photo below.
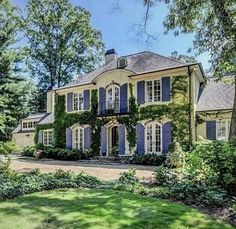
(74, 208)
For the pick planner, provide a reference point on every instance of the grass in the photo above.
(75, 208)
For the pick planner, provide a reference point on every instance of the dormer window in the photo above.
(122, 62)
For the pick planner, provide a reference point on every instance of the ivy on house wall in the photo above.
(131, 120)
(177, 111)
(65, 120)
(41, 127)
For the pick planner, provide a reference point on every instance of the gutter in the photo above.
(190, 107)
(165, 69)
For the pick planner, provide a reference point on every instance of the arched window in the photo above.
(78, 136)
(113, 98)
(153, 137)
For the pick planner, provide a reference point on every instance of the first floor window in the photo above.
(222, 129)
(78, 101)
(79, 138)
(153, 91)
(47, 137)
(153, 137)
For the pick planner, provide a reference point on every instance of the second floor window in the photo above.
(78, 101)
(113, 98)
(153, 89)
(29, 125)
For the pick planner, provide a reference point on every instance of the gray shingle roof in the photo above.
(138, 63)
(216, 96)
(49, 118)
(35, 116)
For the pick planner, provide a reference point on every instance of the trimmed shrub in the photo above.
(147, 159)
(64, 154)
(28, 151)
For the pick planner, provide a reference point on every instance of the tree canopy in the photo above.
(62, 43)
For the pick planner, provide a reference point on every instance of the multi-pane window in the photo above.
(24, 125)
(153, 138)
(79, 138)
(47, 137)
(222, 129)
(153, 90)
(78, 101)
(28, 125)
(113, 98)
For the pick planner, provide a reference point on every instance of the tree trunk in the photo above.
(232, 132)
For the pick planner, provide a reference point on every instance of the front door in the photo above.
(114, 137)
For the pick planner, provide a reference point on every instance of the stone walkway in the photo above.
(102, 171)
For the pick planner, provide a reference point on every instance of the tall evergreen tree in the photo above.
(62, 42)
(15, 90)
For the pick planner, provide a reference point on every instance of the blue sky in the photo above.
(116, 27)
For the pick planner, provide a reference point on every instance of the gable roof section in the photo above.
(48, 119)
(137, 63)
(216, 96)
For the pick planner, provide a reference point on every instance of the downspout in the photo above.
(190, 108)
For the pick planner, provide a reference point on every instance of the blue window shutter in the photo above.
(141, 92)
(123, 98)
(121, 133)
(102, 100)
(40, 137)
(103, 141)
(87, 138)
(211, 130)
(140, 138)
(165, 88)
(68, 138)
(69, 102)
(86, 100)
(166, 137)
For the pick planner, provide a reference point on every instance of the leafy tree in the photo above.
(182, 57)
(214, 23)
(62, 42)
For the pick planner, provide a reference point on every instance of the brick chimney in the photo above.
(110, 55)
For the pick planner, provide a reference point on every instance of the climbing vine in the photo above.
(177, 111)
(131, 120)
(41, 127)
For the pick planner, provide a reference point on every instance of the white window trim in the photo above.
(113, 94)
(74, 136)
(82, 108)
(146, 91)
(27, 123)
(145, 140)
(227, 129)
(46, 131)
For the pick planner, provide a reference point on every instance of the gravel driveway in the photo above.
(102, 171)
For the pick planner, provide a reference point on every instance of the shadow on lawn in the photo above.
(105, 209)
